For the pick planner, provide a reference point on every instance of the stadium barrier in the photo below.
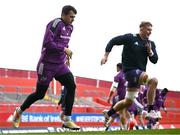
(91, 95)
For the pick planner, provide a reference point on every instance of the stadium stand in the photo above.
(15, 85)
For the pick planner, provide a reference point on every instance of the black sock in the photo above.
(111, 112)
(150, 107)
(137, 128)
(143, 127)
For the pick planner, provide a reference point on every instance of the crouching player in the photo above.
(158, 105)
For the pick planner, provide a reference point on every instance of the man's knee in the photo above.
(143, 79)
(153, 82)
(128, 102)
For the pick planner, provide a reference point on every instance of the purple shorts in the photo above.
(132, 77)
(116, 99)
(46, 72)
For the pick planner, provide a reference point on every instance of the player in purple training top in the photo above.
(52, 64)
(137, 50)
(160, 102)
(158, 105)
(118, 92)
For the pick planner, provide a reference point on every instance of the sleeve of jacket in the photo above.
(119, 40)
(154, 57)
(49, 41)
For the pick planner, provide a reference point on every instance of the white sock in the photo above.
(124, 127)
(18, 109)
(67, 118)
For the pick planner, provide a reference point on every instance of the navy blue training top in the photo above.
(134, 54)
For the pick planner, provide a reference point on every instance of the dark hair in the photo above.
(164, 91)
(119, 65)
(67, 8)
(144, 23)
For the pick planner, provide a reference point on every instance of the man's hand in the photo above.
(68, 61)
(165, 110)
(68, 52)
(149, 50)
(105, 58)
(109, 100)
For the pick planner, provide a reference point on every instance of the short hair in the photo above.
(165, 89)
(145, 23)
(67, 8)
(119, 65)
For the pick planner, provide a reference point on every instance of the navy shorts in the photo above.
(132, 77)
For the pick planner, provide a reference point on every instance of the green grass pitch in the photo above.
(132, 132)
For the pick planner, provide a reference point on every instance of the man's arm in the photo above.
(119, 40)
(49, 42)
(153, 57)
(112, 91)
(105, 58)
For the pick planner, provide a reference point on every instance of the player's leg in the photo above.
(115, 99)
(39, 94)
(68, 81)
(118, 106)
(111, 120)
(63, 93)
(152, 85)
(151, 92)
(123, 118)
(131, 94)
(141, 120)
(62, 102)
(139, 112)
(44, 78)
(151, 123)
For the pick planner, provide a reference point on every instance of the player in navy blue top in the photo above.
(137, 49)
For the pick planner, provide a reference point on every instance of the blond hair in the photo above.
(145, 23)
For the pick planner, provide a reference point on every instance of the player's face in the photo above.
(118, 69)
(146, 31)
(69, 18)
